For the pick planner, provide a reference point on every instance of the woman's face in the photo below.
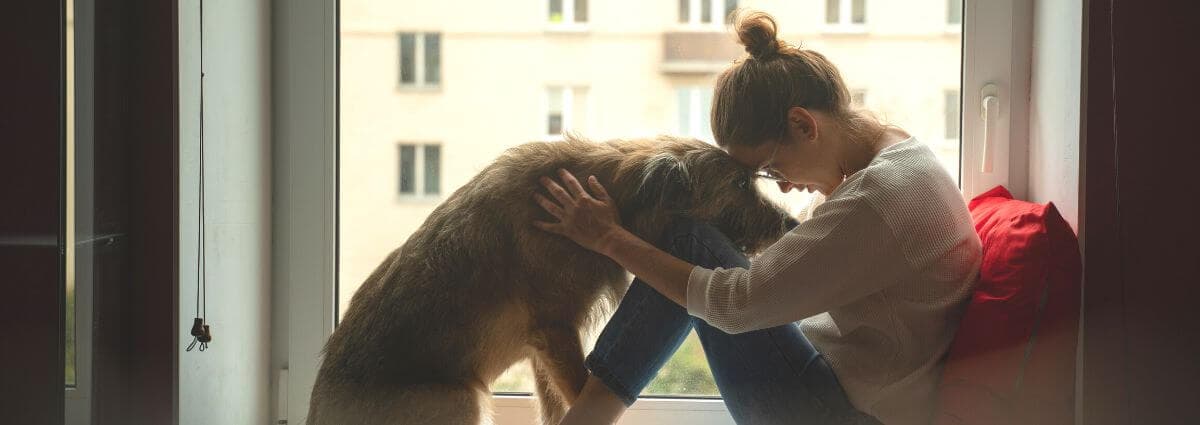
(801, 160)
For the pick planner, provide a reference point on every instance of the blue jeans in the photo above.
(768, 376)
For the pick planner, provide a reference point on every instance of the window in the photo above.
(566, 110)
(568, 12)
(694, 104)
(336, 149)
(420, 59)
(954, 12)
(706, 12)
(952, 114)
(420, 166)
(858, 98)
(845, 14)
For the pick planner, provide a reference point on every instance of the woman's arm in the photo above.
(592, 223)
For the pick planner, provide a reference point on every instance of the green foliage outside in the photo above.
(686, 374)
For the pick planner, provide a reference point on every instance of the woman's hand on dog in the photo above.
(588, 220)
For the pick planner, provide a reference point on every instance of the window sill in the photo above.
(520, 409)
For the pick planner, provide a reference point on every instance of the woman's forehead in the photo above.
(751, 156)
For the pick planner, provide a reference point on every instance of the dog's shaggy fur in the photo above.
(477, 288)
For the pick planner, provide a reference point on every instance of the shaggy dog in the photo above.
(477, 288)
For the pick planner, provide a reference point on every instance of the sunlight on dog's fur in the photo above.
(477, 288)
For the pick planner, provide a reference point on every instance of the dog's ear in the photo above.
(665, 183)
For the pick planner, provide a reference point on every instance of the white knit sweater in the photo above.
(880, 275)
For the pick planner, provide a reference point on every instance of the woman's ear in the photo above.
(802, 125)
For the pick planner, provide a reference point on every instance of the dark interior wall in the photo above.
(136, 200)
(1141, 351)
(31, 212)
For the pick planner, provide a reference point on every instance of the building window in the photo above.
(420, 166)
(858, 98)
(420, 59)
(954, 9)
(706, 12)
(953, 119)
(694, 104)
(566, 110)
(568, 12)
(845, 13)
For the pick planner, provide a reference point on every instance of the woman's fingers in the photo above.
(572, 184)
(601, 193)
(549, 206)
(549, 227)
(557, 192)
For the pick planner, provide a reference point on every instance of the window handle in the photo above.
(989, 111)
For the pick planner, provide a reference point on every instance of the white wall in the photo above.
(228, 384)
(1054, 106)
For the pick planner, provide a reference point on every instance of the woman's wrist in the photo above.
(612, 241)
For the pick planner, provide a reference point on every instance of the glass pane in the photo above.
(581, 10)
(69, 55)
(408, 60)
(433, 58)
(859, 10)
(433, 169)
(706, 11)
(730, 6)
(513, 87)
(556, 11)
(408, 154)
(683, 102)
(954, 14)
(833, 10)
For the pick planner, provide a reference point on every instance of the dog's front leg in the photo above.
(559, 360)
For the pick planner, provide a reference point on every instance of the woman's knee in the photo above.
(702, 244)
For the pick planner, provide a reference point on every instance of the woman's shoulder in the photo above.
(918, 199)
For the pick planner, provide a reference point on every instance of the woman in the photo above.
(877, 277)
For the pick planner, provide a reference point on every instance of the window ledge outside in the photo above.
(567, 28)
(699, 27)
(419, 88)
(848, 29)
(418, 199)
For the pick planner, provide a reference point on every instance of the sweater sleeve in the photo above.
(846, 251)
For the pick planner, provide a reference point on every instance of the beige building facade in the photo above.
(430, 93)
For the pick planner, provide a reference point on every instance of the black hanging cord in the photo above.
(200, 331)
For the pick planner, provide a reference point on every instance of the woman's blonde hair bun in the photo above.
(758, 32)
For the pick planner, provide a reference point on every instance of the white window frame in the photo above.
(419, 193)
(845, 24)
(419, 80)
(568, 23)
(996, 47)
(695, 14)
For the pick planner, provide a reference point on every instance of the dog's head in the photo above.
(684, 177)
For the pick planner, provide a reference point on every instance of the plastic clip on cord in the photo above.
(200, 332)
